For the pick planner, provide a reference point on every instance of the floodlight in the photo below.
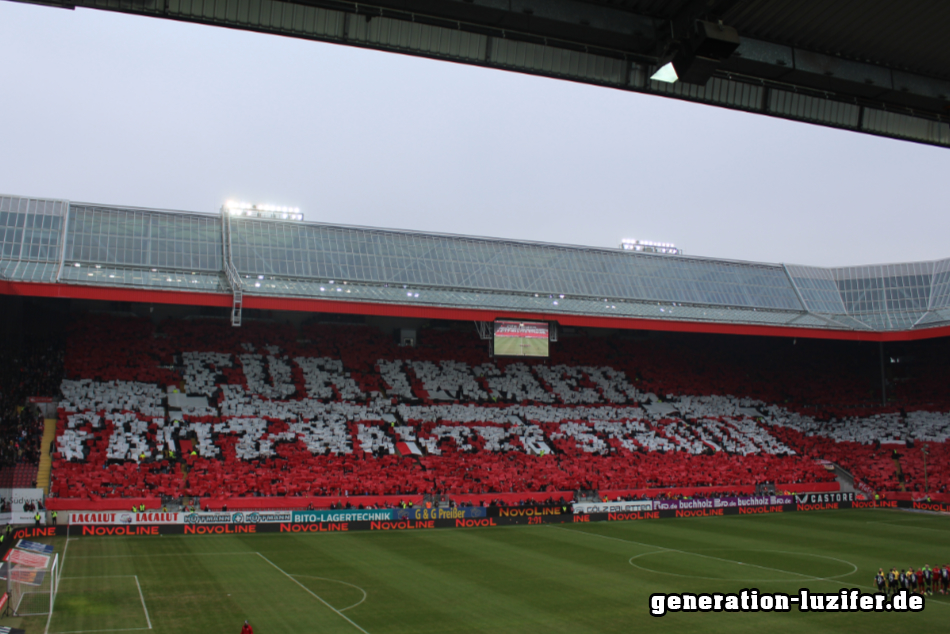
(666, 74)
(273, 212)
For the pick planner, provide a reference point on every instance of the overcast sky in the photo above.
(109, 108)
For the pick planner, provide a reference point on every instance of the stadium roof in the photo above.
(880, 67)
(81, 250)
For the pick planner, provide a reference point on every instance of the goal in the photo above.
(32, 590)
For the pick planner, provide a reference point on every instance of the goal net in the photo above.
(32, 581)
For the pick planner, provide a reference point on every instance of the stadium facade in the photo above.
(58, 248)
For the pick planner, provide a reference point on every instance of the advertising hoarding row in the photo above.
(687, 504)
(501, 516)
(421, 514)
(114, 518)
(118, 518)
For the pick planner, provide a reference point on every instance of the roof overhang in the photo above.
(311, 305)
(884, 74)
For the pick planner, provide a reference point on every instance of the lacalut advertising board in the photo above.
(237, 517)
(124, 517)
(634, 506)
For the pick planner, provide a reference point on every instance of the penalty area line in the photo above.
(142, 597)
(312, 593)
(124, 629)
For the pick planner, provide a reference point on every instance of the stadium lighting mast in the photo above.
(649, 246)
(269, 212)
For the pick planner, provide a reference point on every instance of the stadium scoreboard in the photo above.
(521, 339)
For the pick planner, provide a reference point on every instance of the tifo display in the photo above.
(333, 412)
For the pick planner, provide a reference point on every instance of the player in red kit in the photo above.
(247, 629)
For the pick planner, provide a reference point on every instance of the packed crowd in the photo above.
(27, 369)
(343, 411)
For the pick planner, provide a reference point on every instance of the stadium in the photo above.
(217, 417)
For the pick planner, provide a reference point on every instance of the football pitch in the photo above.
(521, 347)
(571, 578)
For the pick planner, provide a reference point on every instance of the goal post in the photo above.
(32, 590)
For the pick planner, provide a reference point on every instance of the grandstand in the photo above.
(291, 365)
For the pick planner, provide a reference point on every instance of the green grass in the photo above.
(521, 347)
(577, 579)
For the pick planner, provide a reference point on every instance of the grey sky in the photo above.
(109, 108)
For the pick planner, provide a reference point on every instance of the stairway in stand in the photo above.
(46, 462)
(900, 474)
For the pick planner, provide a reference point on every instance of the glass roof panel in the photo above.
(263, 248)
(186, 252)
(134, 237)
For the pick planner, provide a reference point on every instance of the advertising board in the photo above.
(123, 517)
(613, 507)
(419, 513)
(720, 503)
(388, 519)
(824, 498)
(238, 517)
(344, 515)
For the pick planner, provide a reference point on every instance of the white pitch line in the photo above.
(52, 603)
(731, 561)
(313, 594)
(125, 629)
(100, 577)
(243, 552)
(920, 528)
(350, 607)
(142, 597)
(663, 548)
